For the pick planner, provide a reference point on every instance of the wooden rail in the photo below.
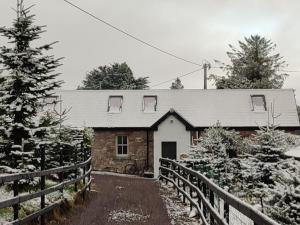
(17, 199)
(202, 194)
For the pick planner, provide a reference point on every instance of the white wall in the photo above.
(170, 131)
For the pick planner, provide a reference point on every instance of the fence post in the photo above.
(183, 175)
(178, 180)
(42, 148)
(84, 159)
(204, 190)
(16, 193)
(199, 186)
(190, 178)
(212, 202)
(174, 178)
(75, 159)
(226, 211)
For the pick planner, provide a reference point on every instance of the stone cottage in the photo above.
(137, 127)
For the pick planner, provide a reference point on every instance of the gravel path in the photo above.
(117, 200)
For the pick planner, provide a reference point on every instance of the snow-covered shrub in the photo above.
(275, 178)
(254, 168)
(216, 154)
(284, 204)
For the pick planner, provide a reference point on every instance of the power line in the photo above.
(130, 35)
(192, 72)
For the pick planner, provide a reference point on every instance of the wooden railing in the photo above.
(15, 202)
(215, 206)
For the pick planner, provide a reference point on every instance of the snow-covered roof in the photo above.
(200, 108)
(294, 152)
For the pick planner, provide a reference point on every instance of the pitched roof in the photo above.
(200, 108)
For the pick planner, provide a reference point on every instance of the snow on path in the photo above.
(178, 212)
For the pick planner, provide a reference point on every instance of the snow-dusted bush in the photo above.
(216, 152)
(255, 168)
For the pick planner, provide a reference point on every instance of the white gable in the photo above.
(201, 108)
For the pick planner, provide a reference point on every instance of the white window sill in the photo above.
(259, 111)
(122, 157)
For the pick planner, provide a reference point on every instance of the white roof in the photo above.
(294, 152)
(201, 108)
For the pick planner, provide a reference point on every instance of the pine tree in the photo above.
(216, 152)
(177, 84)
(253, 65)
(30, 78)
(116, 76)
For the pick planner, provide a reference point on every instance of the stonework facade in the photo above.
(140, 151)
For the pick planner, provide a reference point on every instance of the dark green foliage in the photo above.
(217, 151)
(177, 84)
(116, 76)
(253, 65)
(28, 76)
(298, 109)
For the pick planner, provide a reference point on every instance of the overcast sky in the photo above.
(196, 30)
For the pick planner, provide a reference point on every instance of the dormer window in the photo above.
(258, 103)
(150, 103)
(115, 104)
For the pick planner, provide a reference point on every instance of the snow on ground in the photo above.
(177, 210)
(126, 216)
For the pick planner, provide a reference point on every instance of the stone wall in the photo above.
(105, 155)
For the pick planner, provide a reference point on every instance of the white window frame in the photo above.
(121, 106)
(122, 145)
(155, 106)
(264, 101)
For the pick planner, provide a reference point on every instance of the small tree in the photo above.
(30, 78)
(216, 152)
(116, 76)
(298, 109)
(252, 66)
(177, 84)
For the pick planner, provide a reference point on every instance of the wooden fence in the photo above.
(206, 197)
(84, 164)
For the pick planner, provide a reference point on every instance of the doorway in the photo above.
(169, 149)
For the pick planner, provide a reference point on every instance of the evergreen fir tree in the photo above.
(30, 78)
(253, 65)
(177, 84)
(216, 152)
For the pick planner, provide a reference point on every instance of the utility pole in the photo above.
(206, 66)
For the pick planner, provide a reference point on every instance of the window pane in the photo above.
(125, 150)
(119, 140)
(258, 103)
(115, 104)
(149, 103)
(119, 150)
(125, 140)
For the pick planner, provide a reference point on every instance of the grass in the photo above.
(29, 207)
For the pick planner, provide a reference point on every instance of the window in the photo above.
(115, 104)
(50, 102)
(122, 145)
(150, 103)
(258, 102)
